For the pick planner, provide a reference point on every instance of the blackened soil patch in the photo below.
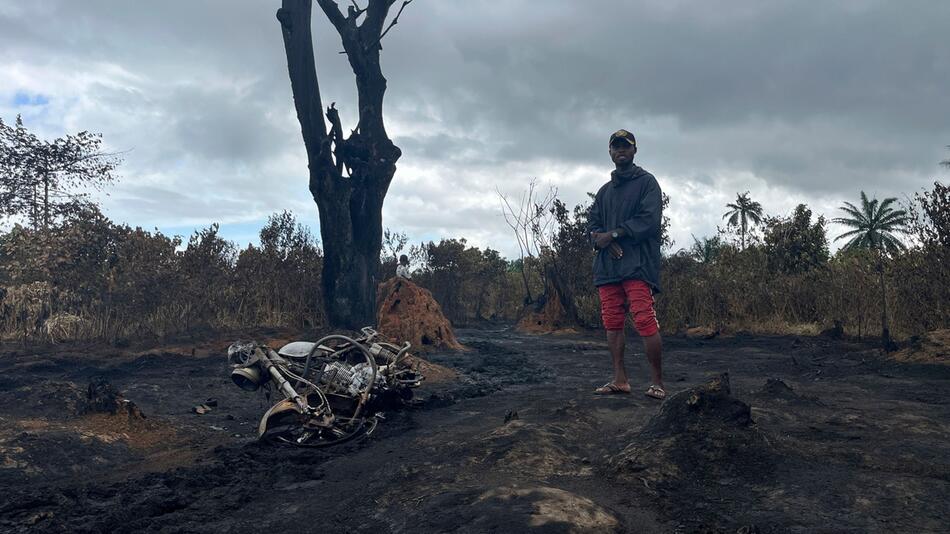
(849, 441)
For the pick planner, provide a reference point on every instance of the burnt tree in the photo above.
(349, 176)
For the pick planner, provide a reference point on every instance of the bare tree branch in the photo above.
(393, 23)
(332, 11)
(356, 10)
(532, 222)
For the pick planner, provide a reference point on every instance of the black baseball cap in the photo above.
(622, 134)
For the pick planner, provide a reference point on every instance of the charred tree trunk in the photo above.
(349, 177)
(45, 202)
(555, 281)
(885, 331)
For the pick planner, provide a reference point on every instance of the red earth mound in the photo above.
(408, 312)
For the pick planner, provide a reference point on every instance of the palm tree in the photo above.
(705, 250)
(743, 211)
(873, 227)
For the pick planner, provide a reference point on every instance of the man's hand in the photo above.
(602, 239)
(616, 252)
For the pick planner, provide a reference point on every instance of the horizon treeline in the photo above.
(776, 275)
(85, 277)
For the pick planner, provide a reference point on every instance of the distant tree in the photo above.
(929, 218)
(946, 162)
(530, 219)
(705, 250)
(394, 243)
(349, 175)
(666, 241)
(795, 244)
(743, 211)
(44, 180)
(874, 226)
(462, 278)
(283, 237)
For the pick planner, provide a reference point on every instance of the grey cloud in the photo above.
(236, 127)
(868, 69)
(808, 102)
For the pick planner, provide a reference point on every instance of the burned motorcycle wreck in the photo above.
(330, 391)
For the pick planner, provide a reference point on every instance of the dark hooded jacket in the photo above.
(630, 200)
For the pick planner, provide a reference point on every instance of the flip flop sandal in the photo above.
(656, 392)
(610, 389)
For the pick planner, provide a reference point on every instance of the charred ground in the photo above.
(846, 441)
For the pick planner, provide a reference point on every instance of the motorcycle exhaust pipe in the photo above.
(282, 383)
(247, 378)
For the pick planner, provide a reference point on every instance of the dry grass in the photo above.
(932, 347)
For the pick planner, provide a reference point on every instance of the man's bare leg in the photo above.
(653, 346)
(616, 342)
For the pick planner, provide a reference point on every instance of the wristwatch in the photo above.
(614, 234)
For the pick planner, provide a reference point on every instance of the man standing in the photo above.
(624, 227)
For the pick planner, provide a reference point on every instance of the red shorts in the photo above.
(634, 295)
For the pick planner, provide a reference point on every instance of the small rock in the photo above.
(511, 416)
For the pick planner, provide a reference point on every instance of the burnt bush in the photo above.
(89, 278)
(470, 284)
(786, 282)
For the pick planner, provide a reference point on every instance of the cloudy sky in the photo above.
(793, 101)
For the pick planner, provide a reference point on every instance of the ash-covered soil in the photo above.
(839, 440)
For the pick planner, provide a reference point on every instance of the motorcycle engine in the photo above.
(343, 378)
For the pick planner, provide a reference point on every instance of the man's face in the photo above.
(621, 152)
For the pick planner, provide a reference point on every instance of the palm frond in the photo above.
(853, 243)
(894, 217)
(865, 203)
(853, 223)
(886, 202)
(891, 243)
(849, 233)
(852, 210)
(893, 226)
